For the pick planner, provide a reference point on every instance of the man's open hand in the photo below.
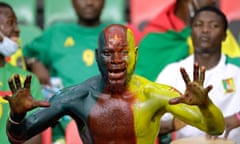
(195, 93)
(21, 100)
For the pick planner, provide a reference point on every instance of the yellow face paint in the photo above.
(116, 37)
(132, 51)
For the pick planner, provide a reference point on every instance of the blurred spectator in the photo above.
(9, 36)
(208, 31)
(169, 36)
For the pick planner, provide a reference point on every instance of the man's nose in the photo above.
(16, 29)
(117, 58)
(205, 29)
(89, 2)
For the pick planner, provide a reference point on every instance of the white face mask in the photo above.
(8, 46)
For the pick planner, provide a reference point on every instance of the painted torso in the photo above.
(111, 119)
(131, 117)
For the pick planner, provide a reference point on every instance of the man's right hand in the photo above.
(195, 93)
(21, 100)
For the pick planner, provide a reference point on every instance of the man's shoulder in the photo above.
(63, 24)
(74, 92)
(60, 26)
(235, 61)
(91, 83)
(15, 69)
(177, 64)
(12, 70)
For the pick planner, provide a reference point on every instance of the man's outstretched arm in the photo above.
(20, 103)
(209, 118)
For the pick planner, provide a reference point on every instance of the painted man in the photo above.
(117, 106)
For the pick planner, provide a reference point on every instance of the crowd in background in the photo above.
(52, 70)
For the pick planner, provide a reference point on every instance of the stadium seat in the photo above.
(72, 136)
(232, 11)
(141, 11)
(55, 11)
(230, 8)
(114, 10)
(26, 10)
(46, 136)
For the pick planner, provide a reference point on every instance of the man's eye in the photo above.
(197, 25)
(106, 53)
(214, 25)
(125, 52)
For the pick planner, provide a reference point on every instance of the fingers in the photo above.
(40, 104)
(27, 82)
(228, 128)
(208, 136)
(17, 81)
(185, 76)
(12, 86)
(202, 75)
(176, 100)
(226, 134)
(196, 76)
(208, 88)
(6, 97)
(195, 72)
(211, 137)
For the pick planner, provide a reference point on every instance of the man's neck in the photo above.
(207, 60)
(89, 23)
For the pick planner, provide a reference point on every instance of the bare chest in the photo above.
(112, 120)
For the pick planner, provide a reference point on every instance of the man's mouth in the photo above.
(204, 38)
(14, 38)
(116, 74)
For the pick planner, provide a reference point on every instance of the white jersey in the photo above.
(225, 78)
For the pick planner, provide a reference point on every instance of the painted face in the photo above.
(8, 23)
(88, 9)
(116, 55)
(208, 32)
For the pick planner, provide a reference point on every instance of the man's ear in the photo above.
(225, 36)
(136, 51)
(96, 54)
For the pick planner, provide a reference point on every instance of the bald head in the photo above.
(116, 34)
(116, 52)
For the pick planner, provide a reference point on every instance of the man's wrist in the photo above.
(237, 115)
(12, 121)
(31, 60)
(16, 119)
(178, 124)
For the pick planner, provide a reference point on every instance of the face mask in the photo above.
(8, 46)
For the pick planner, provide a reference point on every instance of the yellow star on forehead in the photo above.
(115, 39)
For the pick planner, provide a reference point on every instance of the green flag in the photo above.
(156, 50)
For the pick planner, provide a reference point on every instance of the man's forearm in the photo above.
(15, 131)
(213, 119)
